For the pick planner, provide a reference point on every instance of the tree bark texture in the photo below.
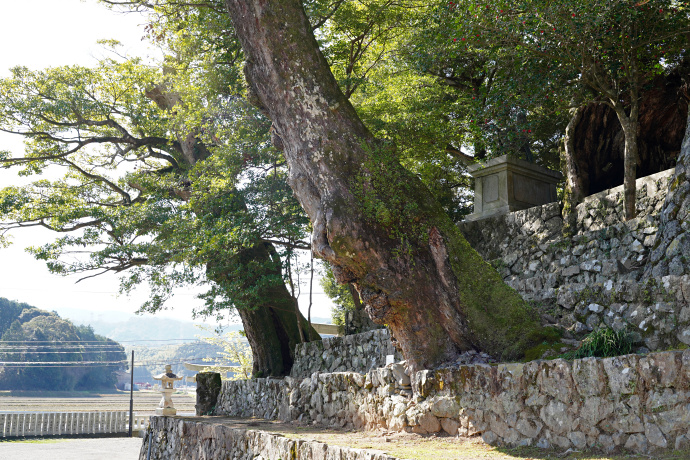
(271, 323)
(599, 141)
(574, 176)
(372, 220)
(629, 124)
(274, 325)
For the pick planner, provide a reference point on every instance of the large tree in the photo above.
(372, 220)
(610, 49)
(176, 213)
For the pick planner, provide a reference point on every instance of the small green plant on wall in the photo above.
(602, 343)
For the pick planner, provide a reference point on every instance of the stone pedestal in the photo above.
(507, 184)
(165, 407)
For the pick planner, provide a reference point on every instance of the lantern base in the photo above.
(166, 411)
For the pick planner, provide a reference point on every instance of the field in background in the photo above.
(145, 402)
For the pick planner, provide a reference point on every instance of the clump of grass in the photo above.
(603, 343)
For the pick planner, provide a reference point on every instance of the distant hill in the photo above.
(140, 328)
(29, 335)
(129, 328)
(151, 360)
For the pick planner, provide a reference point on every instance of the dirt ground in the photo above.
(145, 402)
(414, 446)
(71, 449)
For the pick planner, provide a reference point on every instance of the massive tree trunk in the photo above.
(271, 322)
(373, 221)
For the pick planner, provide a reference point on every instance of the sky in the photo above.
(45, 33)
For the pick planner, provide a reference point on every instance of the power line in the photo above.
(59, 352)
(197, 361)
(60, 363)
(62, 347)
(85, 292)
(95, 341)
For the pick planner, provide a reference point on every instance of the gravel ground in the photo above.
(72, 449)
(145, 402)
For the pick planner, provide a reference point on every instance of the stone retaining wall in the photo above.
(354, 353)
(629, 403)
(673, 242)
(179, 438)
(582, 283)
(593, 278)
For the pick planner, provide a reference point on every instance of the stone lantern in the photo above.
(167, 379)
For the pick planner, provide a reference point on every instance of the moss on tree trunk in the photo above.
(374, 221)
(270, 322)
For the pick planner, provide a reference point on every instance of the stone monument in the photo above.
(506, 184)
(167, 380)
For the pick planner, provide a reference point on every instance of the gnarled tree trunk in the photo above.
(271, 323)
(373, 221)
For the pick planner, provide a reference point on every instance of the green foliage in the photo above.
(235, 354)
(149, 360)
(9, 313)
(602, 343)
(367, 44)
(492, 96)
(599, 43)
(181, 210)
(571, 53)
(340, 296)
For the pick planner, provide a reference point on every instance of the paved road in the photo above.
(72, 449)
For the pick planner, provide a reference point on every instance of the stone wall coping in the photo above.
(517, 165)
(646, 180)
(200, 438)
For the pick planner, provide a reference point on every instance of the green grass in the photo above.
(603, 343)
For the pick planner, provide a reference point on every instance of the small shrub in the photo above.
(603, 343)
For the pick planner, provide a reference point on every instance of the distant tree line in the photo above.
(29, 335)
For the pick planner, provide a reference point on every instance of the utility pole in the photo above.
(131, 395)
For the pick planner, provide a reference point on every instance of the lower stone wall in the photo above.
(629, 403)
(179, 438)
(354, 353)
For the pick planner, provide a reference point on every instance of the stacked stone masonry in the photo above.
(627, 403)
(594, 278)
(179, 438)
(356, 353)
(668, 254)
